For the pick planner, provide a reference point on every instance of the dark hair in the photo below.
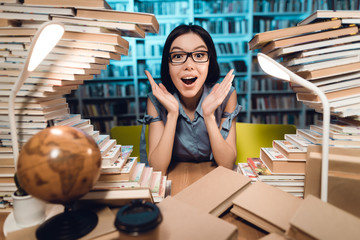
(214, 70)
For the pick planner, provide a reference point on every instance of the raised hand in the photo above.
(162, 95)
(217, 95)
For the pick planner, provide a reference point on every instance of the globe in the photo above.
(59, 164)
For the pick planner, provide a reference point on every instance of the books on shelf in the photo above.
(267, 207)
(278, 163)
(214, 192)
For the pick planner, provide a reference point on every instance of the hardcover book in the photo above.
(266, 207)
(278, 163)
(262, 38)
(214, 192)
(289, 150)
(315, 219)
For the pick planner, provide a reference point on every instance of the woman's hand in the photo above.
(163, 96)
(217, 95)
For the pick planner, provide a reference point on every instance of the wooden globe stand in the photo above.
(71, 224)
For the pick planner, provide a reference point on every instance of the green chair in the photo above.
(129, 135)
(251, 137)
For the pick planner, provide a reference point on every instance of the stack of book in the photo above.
(323, 49)
(127, 180)
(282, 165)
(85, 49)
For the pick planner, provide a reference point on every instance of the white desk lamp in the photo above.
(275, 69)
(45, 39)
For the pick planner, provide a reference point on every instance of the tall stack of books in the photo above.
(93, 35)
(323, 49)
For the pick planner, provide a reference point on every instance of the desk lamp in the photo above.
(275, 69)
(45, 39)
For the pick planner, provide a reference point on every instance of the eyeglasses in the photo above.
(181, 57)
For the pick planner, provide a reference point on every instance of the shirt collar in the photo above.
(198, 108)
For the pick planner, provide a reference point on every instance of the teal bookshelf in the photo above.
(120, 91)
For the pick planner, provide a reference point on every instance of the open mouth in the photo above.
(189, 80)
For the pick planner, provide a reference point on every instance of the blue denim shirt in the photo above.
(191, 142)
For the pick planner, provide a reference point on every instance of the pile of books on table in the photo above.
(123, 179)
(282, 165)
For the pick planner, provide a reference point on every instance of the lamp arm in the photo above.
(15, 89)
(325, 134)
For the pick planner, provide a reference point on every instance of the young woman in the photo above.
(191, 117)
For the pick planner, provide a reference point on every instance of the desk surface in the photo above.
(183, 174)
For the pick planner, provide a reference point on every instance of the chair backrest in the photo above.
(129, 135)
(251, 137)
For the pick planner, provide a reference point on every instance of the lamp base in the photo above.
(68, 225)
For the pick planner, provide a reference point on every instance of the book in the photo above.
(318, 45)
(344, 180)
(99, 185)
(289, 150)
(127, 29)
(38, 9)
(328, 72)
(139, 170)
(145, 21)
(315, 219)
(125, 172)
(266, 207)
(97, 4)
(324, 64)
(264, 173)
(247, 171)
(334, 134)
(262, 38)
(316, 138)
(214, 192)
(278, 163)
(329, 14)
(297, 40)
(298, 140)
(300, 59)
(145, 180)
(98, 38)
(111, 156)
(116, 198)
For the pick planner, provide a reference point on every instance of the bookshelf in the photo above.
(118, 95)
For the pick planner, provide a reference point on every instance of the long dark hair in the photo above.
(214, 70)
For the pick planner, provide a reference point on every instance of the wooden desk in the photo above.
(183, 174)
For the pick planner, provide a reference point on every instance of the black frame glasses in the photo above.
(192, 54)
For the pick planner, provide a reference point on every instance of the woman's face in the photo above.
(189, 77)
